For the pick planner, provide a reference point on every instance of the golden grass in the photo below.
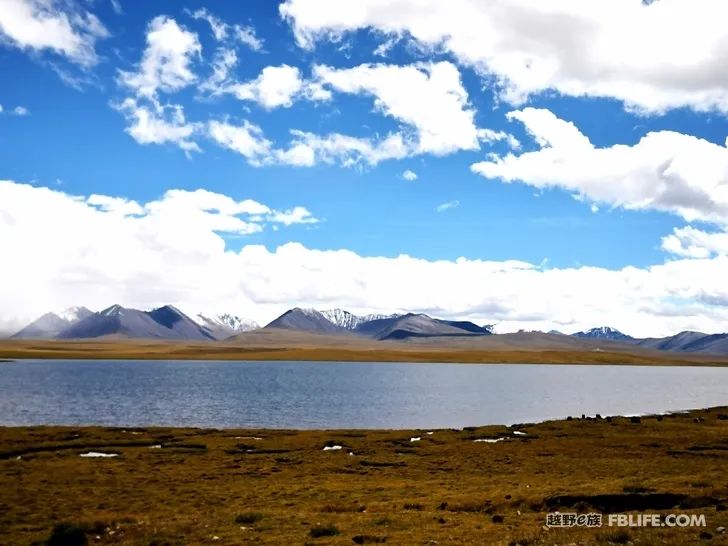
(351, 351)
(280, 487)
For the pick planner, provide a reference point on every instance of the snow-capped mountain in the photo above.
(603, 332)
(51, 324)
(349, 321)
(225, 324)
(74, 314)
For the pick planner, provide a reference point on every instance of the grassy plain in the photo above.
(337, 349)
(193, 486)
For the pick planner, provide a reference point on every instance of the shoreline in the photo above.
(202, 428)
(165, 485)
(154, 350)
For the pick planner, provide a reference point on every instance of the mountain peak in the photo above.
(603, 332)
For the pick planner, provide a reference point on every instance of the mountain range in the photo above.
(169, 323)
(379, 327)
(166, 322)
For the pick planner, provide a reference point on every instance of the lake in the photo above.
(340, 395)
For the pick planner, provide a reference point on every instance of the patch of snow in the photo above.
(490, 440)
(98, 454)
(156, 446)
(519, 433)
(415, 439)
(429, 433)
(332, 448)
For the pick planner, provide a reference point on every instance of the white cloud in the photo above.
(172, 250)
(165, 65)
(20, 111)
(308, 149)
(159, 124)
(428, 97)
(447, 206)
(1, 108)
(52, 25)
(409, 175)
(218, 26)
(277, 86)
(665, 170)
(247, 36)
(223, 32)
(695, 243)
(621, 49)
(246, 139)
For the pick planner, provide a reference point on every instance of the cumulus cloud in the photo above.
(691, 242)
(409, 175)
(429, 97)
(154, 123)
(166, 62)
(277, 86)
(123, 251)
(621, 49)
(21, 111)
(173, 250)
(665, 171)
(246, 139)
(58, 26)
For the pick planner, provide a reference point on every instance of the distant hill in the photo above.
(350, 321)
(307, 320)
(689, 342)
(603, 332)
(418, 325)
(121, 321)
(225, 325)
(379, 327)
(51, 324)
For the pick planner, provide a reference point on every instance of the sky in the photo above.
(533, 165)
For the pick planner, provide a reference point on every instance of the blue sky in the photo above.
(78, 138)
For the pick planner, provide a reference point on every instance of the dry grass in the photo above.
(356, 350)
(284, 489)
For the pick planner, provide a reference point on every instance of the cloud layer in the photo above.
(61, 250)
(622, 49)
(665, 170)
(42, 25)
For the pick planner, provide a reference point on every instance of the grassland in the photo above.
(331, 348)
(194, 486)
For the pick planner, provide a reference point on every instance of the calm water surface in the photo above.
(339, 395)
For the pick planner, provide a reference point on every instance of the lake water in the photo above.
(340, 395)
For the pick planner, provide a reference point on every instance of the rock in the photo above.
(720, 530)
(497, 518)
(705, 535)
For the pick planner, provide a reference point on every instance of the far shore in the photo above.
(351, 352)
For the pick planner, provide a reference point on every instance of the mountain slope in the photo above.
(678, 342)
(417, 325)
(603, 332)
(118, 321)
(174, 319)
(350, 321)
(51, 324)
(225, 325)
(307, 320)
